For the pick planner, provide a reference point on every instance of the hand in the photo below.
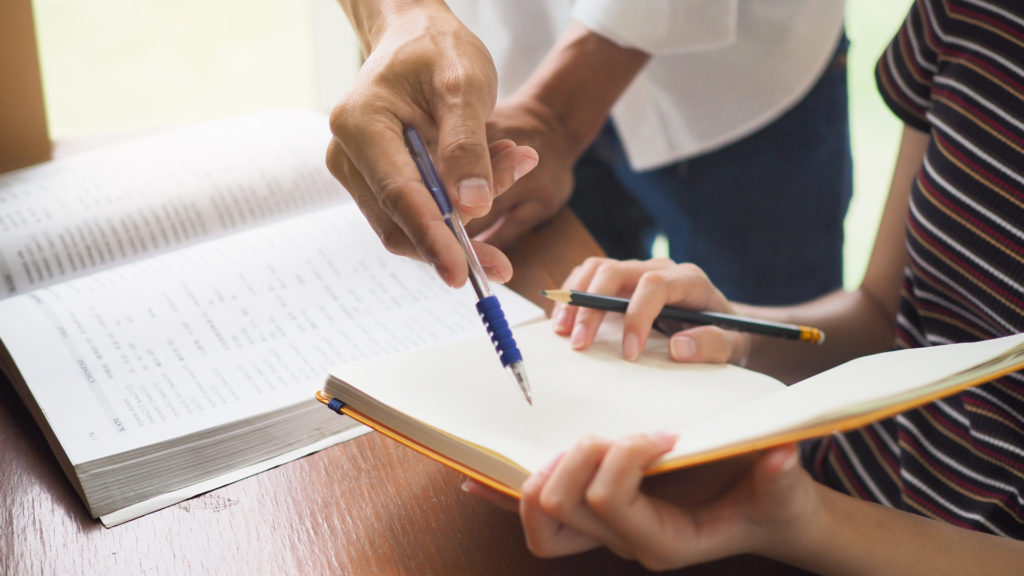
(536, 198)
(595, 495)
(427, 70)
(651, 285)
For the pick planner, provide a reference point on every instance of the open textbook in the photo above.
(169, 303)
(445, 402)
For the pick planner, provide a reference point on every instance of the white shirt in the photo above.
(721, 69)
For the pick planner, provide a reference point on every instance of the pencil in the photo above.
(727, 321)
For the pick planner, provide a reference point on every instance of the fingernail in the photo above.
(579, 336)
(523, 167)
(682, 346)
(465, 485)
(561, 320)
(551, 465)
(661, 438)
(474, 192)
(493, 275)
(630, 346)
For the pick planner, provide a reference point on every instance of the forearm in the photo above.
(854, 537)
(859, 322)
(577, 84)
(370, 18)
(854, 324)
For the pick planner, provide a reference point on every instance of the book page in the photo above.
(226, 329)
(855, 387)
(461, 389)
(92, 211)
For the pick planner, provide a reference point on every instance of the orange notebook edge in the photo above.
(779, 439)
(398, 437)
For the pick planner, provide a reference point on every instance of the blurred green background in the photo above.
(122, 66)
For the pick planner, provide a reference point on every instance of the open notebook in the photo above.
(166, 304)
(453, 402)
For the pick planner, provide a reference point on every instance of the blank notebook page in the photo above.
(462, 389)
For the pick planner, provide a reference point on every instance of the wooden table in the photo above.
(368, 506)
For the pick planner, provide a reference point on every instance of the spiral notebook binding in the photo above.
(497, 328)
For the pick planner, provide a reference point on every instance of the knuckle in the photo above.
(654, 279)
(600, 498)
(693, 269)
(605, 270)
(342, 118)
(461, 145)
(392, 194)
(593, 262)
(555, 505)
(393, 239)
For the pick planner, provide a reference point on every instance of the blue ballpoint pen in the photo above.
(487, 303)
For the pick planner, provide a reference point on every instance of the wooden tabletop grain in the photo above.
(368, 506)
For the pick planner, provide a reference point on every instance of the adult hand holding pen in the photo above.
(424, 69)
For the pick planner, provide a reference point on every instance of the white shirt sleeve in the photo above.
(661, 27)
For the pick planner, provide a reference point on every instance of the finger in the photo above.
(614, 279)
(683, 285)
(647, 301)
(614, 493)
(778, 473)
(511, 164)
(496, 264)
(562, 497)
(563, 315)
(391, 235)
(545, 536)
(491, 495)
(709, 344)
(373, 140)
(499, 146)
(516, 222)
(463, 154)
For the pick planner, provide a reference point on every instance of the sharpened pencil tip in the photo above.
(543, 292)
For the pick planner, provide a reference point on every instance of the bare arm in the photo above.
(856, 323)
(859, 322)
(853, 537)
(558, 111)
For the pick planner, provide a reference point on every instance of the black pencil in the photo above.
(727, 321)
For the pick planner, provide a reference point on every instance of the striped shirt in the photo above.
(955, 70)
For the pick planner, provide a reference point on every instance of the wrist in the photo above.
(801, 541)
(372, 21)
(579, 81)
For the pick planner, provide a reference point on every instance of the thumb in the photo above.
(708, 344)
(778, 479)
(465, 160)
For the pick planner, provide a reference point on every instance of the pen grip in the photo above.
(497, 327)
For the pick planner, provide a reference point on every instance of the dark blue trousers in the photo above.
(763, 216)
